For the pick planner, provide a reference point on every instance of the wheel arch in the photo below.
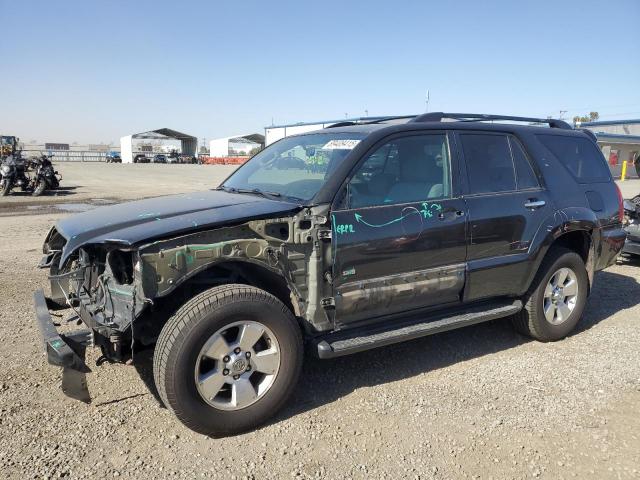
(578, 236)
(242, 272)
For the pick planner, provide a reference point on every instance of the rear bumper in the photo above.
(613, 241)
(631, 247)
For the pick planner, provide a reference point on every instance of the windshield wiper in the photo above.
(255, 191)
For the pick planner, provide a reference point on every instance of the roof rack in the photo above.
(342, 124)
(478, 117)
(373, 120)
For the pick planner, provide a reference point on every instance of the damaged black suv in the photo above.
(341, 240)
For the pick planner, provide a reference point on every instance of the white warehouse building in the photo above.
(237, 145)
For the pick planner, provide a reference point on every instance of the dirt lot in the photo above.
(481, 402)
(88, 182)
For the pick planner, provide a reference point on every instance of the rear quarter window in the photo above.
(579, 155)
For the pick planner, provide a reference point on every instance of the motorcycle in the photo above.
(45, 178)
(14, 174)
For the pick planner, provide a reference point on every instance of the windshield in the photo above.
(295, 167)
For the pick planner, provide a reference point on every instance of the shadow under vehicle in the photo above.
(414, 226)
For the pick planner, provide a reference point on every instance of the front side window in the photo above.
(404, 170)
(295, 167)
(489, 164)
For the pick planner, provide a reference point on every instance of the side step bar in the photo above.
(345, 343)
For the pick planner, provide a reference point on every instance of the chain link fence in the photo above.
(67, 155)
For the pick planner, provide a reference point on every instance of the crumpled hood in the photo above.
(130, 223)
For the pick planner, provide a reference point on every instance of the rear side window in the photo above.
(579, 155)
(489, 164)
(525, 176)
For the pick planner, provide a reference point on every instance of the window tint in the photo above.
(489, 164)
(580, 155)
(405, 170)
(525, 176)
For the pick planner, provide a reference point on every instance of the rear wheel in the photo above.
(228, 359)
(556, 300)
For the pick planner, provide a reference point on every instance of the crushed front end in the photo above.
(125, 291)
(96, 282)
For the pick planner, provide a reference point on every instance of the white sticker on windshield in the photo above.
(341, 144)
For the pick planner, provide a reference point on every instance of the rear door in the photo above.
(399, 240)
(507, 203)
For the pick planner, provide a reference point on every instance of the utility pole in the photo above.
(366, 113)
(562, 112)
(427, 102)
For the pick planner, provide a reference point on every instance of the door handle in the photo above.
(457, 213)
(532, 203)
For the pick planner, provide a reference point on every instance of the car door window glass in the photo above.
(405, 170)
(489, 163)
(525, 176)
(579, 155)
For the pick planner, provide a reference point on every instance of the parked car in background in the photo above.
(417, 225)
(113, 157)
(159, 159)
(632, 226)
(173, 159)
(141, 158)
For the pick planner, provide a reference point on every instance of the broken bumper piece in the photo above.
(64, 350)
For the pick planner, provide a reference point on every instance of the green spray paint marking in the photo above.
(342, 228)
(345, 228)
(426, 211)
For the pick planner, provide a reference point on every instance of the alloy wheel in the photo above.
(560, 296)
(237, 365)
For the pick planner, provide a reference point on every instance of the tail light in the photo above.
(620, 204)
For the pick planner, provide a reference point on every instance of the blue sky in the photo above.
(92, 71)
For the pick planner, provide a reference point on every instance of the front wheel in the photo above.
(5, 187)
(228, 359)
(40, 188)
(555, 302)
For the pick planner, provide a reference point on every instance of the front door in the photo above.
(399, 241)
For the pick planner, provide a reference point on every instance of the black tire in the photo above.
(6, 187)
(40, 188)
(183, 337)
(531, 320)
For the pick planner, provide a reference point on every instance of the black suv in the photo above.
(414, 225)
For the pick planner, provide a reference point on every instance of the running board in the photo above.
(353, 341)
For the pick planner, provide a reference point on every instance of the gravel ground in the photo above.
(93, 182)
(481, 402)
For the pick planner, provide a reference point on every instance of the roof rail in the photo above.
(342, 124)
(589, 134)
(478, 117)
(370, 122)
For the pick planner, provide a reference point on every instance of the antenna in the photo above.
(427, 103)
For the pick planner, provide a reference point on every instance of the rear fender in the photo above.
(555, 226)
